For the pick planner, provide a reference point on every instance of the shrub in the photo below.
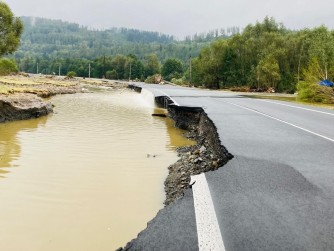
(313, 92)
(71, 74)
(7, 66)
(155, 79)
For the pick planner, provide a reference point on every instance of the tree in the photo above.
(321, 48)
(152, 65)
(10, 29)
(172, 68)
(210, 64)
(119, 65)
(268, 72)
(135, 67)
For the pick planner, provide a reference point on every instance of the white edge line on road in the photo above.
(282, 121)
(208, 231)
(297, 107)
(169, 97)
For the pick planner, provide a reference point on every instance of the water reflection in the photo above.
(10, 145)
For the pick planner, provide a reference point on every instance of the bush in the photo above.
(7, 66)
(313, 92)
(71, 74)
(155, 79)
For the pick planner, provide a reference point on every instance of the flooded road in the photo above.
(88, 177)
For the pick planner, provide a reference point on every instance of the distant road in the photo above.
(277, 193)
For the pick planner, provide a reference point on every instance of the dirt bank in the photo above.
(22, 106)
(208, 155)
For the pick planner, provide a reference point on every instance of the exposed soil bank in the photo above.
(22, 106)
(208, 155)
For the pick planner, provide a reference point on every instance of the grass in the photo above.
(292, 99)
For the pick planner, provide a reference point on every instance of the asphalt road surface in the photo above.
(277, 193)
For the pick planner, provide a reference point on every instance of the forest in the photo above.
(54, 44)
(265, 55)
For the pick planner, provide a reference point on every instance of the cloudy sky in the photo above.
(179, 17)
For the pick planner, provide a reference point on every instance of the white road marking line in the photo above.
(282, 121)
(169, 97)
(208, 231)
(297, 107)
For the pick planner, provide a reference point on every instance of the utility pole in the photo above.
(37, 68)
(89, 71)
(59, 70)
(130, 72)
(104, 66)
(190, 69)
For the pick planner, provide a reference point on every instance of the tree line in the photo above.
(267, 55)
(52, 40)
(261, 56)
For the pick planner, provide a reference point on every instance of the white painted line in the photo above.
(282, 121)
(208, 231)
(169, 97)
(297, 107)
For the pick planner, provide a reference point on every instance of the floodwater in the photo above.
(88, 177)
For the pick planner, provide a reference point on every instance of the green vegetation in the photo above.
(71, 74)
(267, 55)
(172, 68)
(7, 66)
(56, 45)
(315, 93)
(10, 30)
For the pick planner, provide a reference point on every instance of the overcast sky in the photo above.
(179, 17)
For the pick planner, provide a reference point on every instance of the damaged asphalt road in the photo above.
(277, 191)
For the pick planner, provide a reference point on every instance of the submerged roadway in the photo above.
(277, 193)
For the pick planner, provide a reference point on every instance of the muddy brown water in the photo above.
(88, 177)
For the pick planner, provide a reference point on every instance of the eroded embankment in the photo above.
(22, 106)
(207, 155)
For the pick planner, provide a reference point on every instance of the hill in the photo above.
(48, 42)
